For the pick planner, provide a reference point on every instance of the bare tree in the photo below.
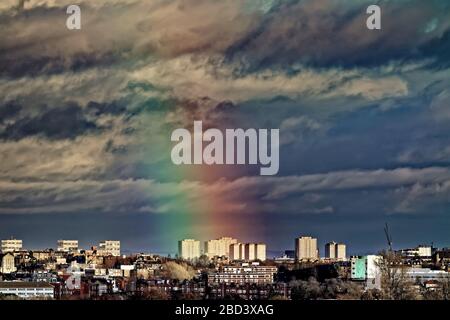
(446, 289)
(395, 284)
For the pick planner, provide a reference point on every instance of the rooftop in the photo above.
(23, 284)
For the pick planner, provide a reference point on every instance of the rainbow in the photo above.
(204, 215)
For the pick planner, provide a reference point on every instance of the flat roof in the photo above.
(23, 284)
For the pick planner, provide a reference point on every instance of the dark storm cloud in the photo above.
(99, 108)
(8, 110)
(36, 41)
(326, 33)
(58, 123)
(10, 66)
(438, 48)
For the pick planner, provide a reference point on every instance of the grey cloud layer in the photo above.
(408, 190)
(85, 116)
(35, 40)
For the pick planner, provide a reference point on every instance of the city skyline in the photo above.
(271, 252)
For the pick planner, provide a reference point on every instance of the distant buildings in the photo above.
(335, 251)
(42, 255)
(341, 251)
(442, 257)
(246, 273)
(27, 289)
(287, 258)
(11, 245)
(237, 251)
(248, 251)
(68, 245)
(421, 251)
(7, 263)
(424, 275)
(109, 247)
(101, 271)
(261, 251)
(306, 248)
(248, 291)
(189, 249)
(290, 254)
(219, 247)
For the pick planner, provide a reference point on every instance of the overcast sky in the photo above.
(86, 116)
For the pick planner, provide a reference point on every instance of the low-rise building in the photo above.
(28, 290)
(424, 275)
(421, 251)
(246, 273)
(284, 259)
(42, 255)
(11, 245)
(366, 268)
(68, 245)
(109, 247)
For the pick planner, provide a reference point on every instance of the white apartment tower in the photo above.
(330, 250)
(261, 250)
(306, 248)
(189, 249)
(335, 250)
(219, 247)
(341, 251)
(248, 251)
(235, 251)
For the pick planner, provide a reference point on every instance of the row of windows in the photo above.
(26, 290)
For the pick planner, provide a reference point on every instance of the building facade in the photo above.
(7, 263)
(341, 251)
(235, 251)
(246, 273)
(335, 251)
(306, 248)
(426, 274)
(189, 249)
(261, 250)
(68, 245)
(219, 247)
(366, 268)
(109, 247)
(11, 245)
(417, 252)
(27, 289)
(330, 250)
(248, 251)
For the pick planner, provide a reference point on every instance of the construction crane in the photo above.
(388, 236)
